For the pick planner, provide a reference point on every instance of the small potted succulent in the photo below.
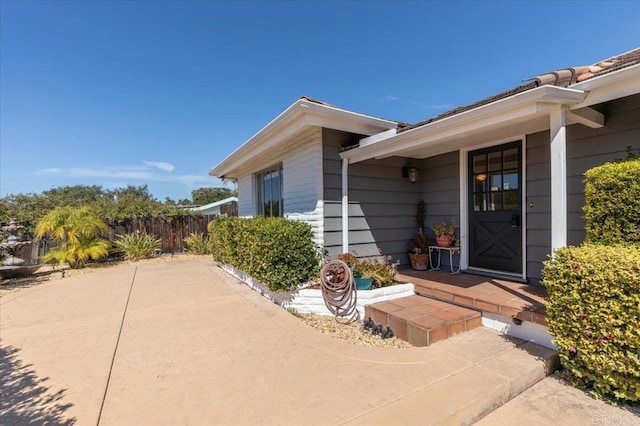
(445, 233)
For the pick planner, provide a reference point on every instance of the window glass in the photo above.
(510, 180)
(495, 181)
(275, 193)
(511, 200)
(269, 192)
(495, 201)
(495, 161)
(511, 158)
(479, 183)
(479, 163)
(479, 203)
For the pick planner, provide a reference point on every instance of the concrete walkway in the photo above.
(184, 343)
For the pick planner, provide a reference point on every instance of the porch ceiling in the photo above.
(432, 148)
(520, 114)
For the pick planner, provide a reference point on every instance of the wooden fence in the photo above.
(171, 233)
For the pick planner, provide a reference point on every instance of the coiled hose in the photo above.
(339, 291)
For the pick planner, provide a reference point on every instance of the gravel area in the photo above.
(352, 333)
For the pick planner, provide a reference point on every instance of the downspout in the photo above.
(345, 205)
(558, 177)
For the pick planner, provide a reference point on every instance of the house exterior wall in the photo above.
(301, 160)
(441, 193)
(302, 183)
(246, 196)
(381, 203)
(538, 203)
(586, 148)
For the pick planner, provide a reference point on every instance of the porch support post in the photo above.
(558, 177)
(345, 205)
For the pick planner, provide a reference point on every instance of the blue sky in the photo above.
(158, 92)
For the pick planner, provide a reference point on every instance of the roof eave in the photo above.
(613, 85)
(521, 104)
(300, 114)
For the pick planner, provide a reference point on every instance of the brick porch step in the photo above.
(422, 321)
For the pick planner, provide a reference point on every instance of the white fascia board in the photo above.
(515, 107)
(378, 137)
(300, 114)
(615, 85)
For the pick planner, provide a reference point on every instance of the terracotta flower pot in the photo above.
(419, 262)
(444, 240)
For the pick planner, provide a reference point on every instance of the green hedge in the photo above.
(612, 202)
(593, 313)
(275, 251)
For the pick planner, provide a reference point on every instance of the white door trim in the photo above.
(464, 197)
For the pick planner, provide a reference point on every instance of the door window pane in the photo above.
(479, 163)
(495, 181)
(510, 180)
(495, 161)
(511, 158)
(511, 200)
(479, 203)
(479, 183)
(495, 201)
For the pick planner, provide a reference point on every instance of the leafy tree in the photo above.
(204, 196)
(77, 229)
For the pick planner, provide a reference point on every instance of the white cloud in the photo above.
(144, 173)
(390, 98)
(167, 167)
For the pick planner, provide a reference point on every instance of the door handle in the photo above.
(515, 220)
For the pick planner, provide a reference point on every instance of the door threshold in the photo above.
(496, 274)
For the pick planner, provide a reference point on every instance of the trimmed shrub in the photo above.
(612, 202)
(197, 244)
(275, 251)
(593, 312)
(137, 246)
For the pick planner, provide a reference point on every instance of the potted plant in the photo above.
(445, 233)
(363, 273)
(375, 272)
(418, 248)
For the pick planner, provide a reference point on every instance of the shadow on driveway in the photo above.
(25, 397)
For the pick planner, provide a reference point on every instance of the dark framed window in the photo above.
(269, 190)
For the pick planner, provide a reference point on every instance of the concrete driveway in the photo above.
(184, 343)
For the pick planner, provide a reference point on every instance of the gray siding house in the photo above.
(507, 169)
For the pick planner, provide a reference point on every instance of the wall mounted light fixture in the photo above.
(411, 173)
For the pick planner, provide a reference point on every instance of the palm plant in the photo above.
(77, 229)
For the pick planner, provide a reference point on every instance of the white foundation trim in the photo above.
(529, 331)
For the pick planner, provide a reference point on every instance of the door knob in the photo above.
(515, 220)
